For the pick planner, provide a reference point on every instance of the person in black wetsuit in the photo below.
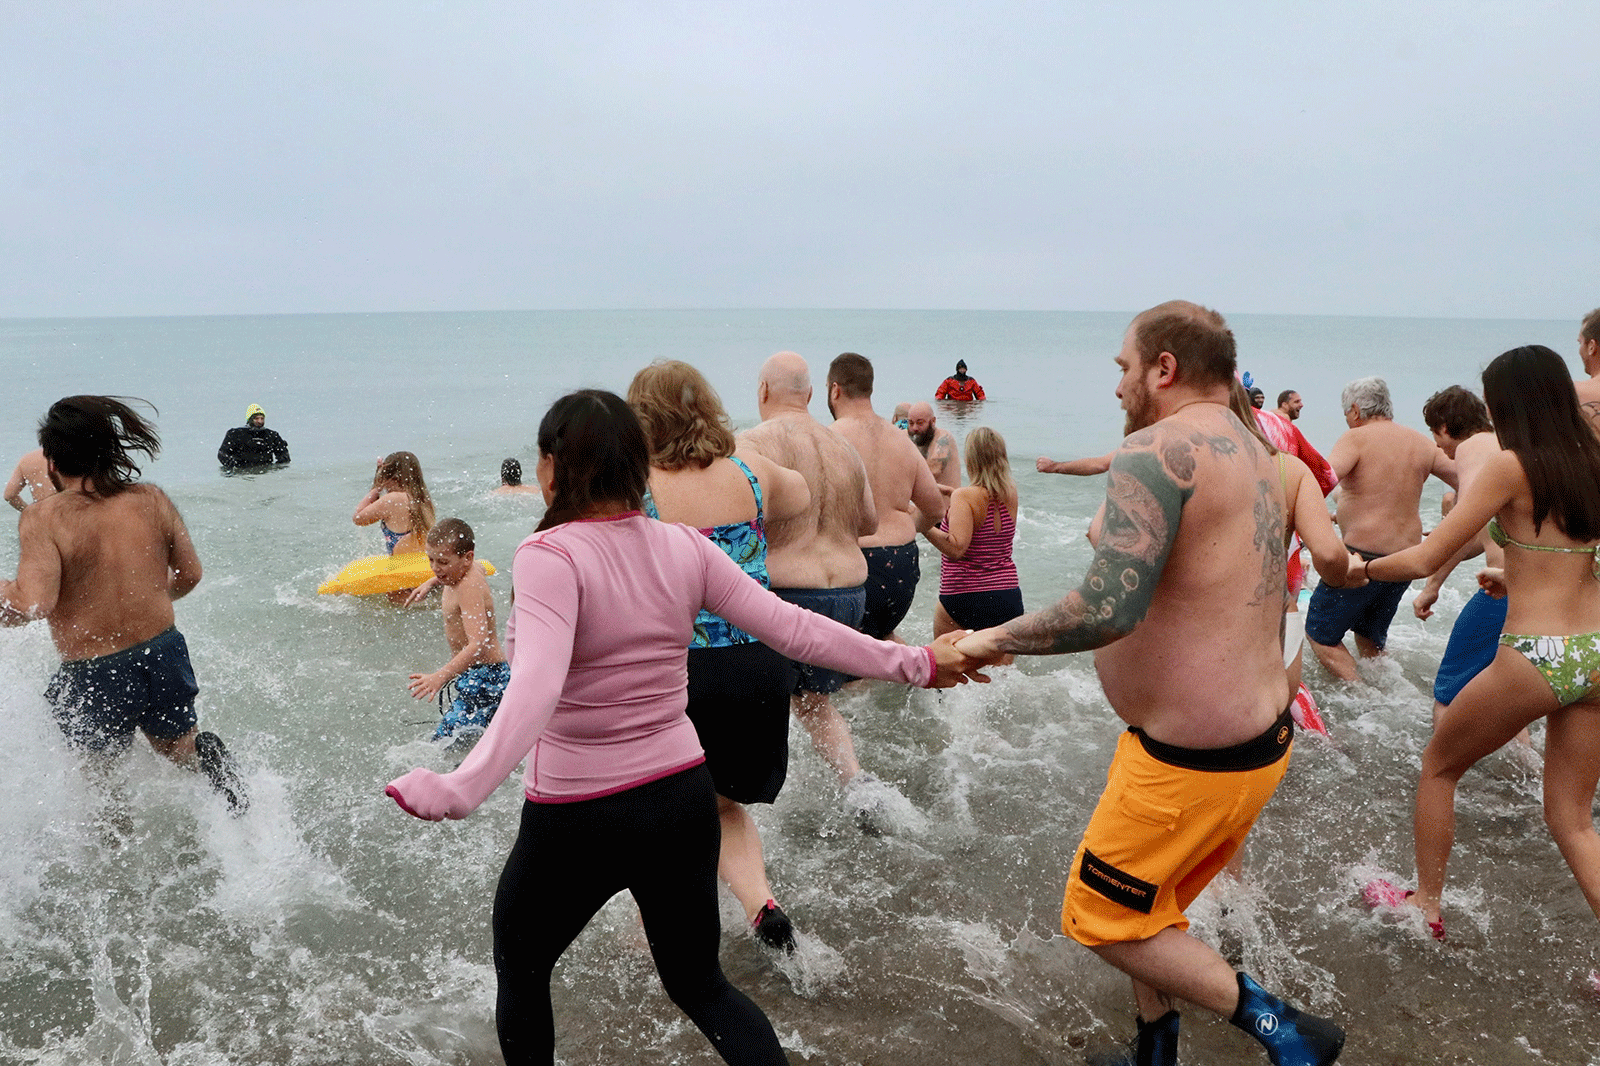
(252, 444)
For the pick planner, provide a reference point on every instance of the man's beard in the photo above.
(1141, 410)
(923, 439)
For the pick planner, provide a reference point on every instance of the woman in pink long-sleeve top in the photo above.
(617, 794)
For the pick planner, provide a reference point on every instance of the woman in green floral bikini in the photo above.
(1541, 499)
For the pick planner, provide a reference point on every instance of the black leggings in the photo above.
(660, 842)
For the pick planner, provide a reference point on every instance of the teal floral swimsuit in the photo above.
(746, 544)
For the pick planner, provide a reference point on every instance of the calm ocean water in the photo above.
(328, 927)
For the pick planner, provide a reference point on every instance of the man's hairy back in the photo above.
(825, 533)
(110, 561)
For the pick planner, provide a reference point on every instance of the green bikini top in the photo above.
(1500, 537)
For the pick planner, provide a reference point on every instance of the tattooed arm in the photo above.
(1151, 478)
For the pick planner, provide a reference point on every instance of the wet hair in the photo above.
(1590, 330)
(1457, 411)
(1196, 336)
(452, 533)
(1369, 396)
(1283, 397)
(599, 453)
(682, 415)
(852, 373)
(91, 437)
(510, 472)
(1239, 403)
(1537, 418)
(404, 471)
(988, 466)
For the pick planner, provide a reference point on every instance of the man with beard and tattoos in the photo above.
(938, 446)
(1183, 606)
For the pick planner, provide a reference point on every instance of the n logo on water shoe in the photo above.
(1267, 1024)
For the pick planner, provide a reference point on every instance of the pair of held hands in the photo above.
(960, 656)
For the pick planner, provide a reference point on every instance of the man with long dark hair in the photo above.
(102, 560)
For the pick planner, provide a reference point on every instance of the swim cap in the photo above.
(253, 410)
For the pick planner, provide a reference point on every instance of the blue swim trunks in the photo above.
(1472, 647)
(1365, 611)
(841, 605)
(478, 690)
(99, 702)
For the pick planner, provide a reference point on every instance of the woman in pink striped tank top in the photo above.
(977, 579)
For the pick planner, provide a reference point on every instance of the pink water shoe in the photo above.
(1382, 893)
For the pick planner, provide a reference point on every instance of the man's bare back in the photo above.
(103, 570)
(817, 548)
(1382, 467)
(902, 486)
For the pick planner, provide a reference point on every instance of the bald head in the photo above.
(785, 382)
(921, 411)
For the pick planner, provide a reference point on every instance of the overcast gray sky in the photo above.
(1434, 159)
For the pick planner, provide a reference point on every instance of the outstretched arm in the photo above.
(1097, 464)
(1151, 479)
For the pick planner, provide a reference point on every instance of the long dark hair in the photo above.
(91, 436)
(1537, 418)
(599, 451)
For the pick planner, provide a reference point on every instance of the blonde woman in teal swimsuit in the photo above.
(1541, 497)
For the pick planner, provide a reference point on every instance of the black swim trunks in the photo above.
(99, 702)
(841, 605)
(982, 610)
(739, 704)
(892, 573)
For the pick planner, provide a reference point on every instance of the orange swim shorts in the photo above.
(1169, 819)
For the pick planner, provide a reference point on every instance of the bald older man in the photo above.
(814, 559)
(938, 446)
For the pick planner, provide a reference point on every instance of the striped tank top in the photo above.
(987, 566)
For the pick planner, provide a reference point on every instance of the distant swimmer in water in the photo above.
(33, 474)
(103, 560)
(399, 504)
(959, 386)
(511, 479)
(477, 668)
(1183, 606)
(1540, 499)
(252, 444)
(617, 795)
